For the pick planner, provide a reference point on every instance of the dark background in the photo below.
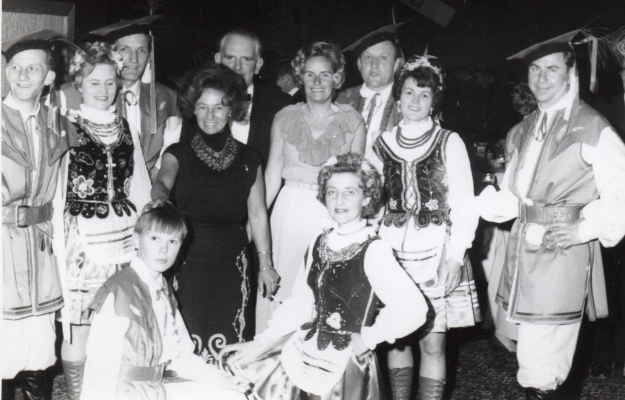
(482, 33)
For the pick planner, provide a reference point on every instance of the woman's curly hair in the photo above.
(319, 49)
(523, 100)
(369, 178)
(216, 77)
(423, 77)
(97, 53)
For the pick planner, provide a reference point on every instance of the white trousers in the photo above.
(545, 354)
(27, 344)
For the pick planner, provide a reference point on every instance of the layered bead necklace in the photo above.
(409, 143)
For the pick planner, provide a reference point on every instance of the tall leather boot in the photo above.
(8, 389)
(35, 385)
(537, 394)
(430, 389)
(401, 382)
(73, 372)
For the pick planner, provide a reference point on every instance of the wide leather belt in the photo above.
(548, 214)
(142, 374)
(24, 216)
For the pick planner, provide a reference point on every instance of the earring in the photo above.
(431, 111)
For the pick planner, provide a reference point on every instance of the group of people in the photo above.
(115, 179)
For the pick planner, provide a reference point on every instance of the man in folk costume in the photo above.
(565, 184)
(34, 138)
(149, 107)
(379, 58)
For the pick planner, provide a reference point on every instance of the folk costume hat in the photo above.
(380, 35)
(39, 40)
(136, 26)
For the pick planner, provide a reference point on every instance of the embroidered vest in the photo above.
(99, 175)
(429, 178)
(344, 300)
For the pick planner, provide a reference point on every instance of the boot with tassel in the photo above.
(430, 389)
(401, 382)
(73, 371)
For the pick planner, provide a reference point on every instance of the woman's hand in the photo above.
(562, 234)
(268, 280)
(237, 383)
(454, 273)
(358, 345)
(157, 202)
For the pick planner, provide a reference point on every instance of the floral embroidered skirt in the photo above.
(213, 288)
(422, 254)
(263, 367)
(95, 248)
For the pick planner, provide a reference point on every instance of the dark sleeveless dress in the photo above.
(213, 284)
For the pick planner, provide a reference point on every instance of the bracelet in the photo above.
(265, 269)
(264, 252)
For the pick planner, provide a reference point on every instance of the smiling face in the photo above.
(239, 54)
(548, 79)
(135, 51)
(158, 250)
(28, 72)
(377, 64)
(100, 87)
(345, 199)
(319, 79)
(210, 112)
(415, 102)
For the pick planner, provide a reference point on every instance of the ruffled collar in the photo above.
(315, 151)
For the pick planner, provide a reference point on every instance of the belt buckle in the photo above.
(18, 212)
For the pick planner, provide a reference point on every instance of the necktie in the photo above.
(130, 98)
(372, 104)
(542, 129)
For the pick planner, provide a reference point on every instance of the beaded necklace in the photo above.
(408, 143)
(97, 131)
(217, 160)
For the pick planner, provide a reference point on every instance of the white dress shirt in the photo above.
(373, 130)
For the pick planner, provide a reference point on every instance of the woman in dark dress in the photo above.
(219, 185)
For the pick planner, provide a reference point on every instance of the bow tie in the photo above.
(130, 98)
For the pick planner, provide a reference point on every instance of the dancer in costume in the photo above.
(319, 343)
(430, 221)
(106, 183)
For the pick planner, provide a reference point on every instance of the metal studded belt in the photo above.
(548, 214)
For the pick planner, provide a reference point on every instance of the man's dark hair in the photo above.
(552, 48)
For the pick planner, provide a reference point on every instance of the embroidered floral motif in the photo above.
(99, 165)
(432, 205)
(393, 204)
(82, 139)
(127, 186)
(84, 158)
(83, 187)
(102, 209)
(334, 320)
(122, 163)
(444, 181)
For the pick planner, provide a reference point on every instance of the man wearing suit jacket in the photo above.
(240, 50)
(380, 57)
(286, 82)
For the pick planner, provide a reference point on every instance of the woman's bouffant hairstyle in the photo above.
(423, 77)
(369, 178)
(163, 218)
(97, 53)
(319, 49)
(216, 77)
(523, 100)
